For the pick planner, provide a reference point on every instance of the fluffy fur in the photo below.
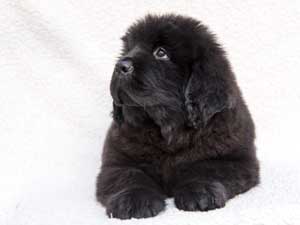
(181, 128)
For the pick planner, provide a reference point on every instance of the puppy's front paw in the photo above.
(135, 203)
(201, 196)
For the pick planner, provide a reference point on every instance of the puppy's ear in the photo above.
(117, 114)
(209, 89)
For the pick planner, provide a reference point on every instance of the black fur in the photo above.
(181, 127)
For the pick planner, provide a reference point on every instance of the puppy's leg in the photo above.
(207, 185)
(128, 192)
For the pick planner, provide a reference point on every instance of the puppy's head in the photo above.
(174, 65)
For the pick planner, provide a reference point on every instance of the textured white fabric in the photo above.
(56, 58)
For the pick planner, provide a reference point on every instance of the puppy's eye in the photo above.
(160, 53)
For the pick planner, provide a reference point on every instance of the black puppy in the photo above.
(181, 127)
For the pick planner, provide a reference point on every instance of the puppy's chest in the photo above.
(161, 168)
(149, 148)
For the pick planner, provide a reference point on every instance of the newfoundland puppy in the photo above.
(180, 125)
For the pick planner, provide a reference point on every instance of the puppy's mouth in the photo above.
(124, 99)
(119, 90)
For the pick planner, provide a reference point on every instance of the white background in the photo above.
(56, 59)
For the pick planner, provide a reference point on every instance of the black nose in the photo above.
(125, 66)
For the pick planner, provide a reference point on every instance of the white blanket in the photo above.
(56, 59)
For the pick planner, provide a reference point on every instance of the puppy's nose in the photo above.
(125, 66)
